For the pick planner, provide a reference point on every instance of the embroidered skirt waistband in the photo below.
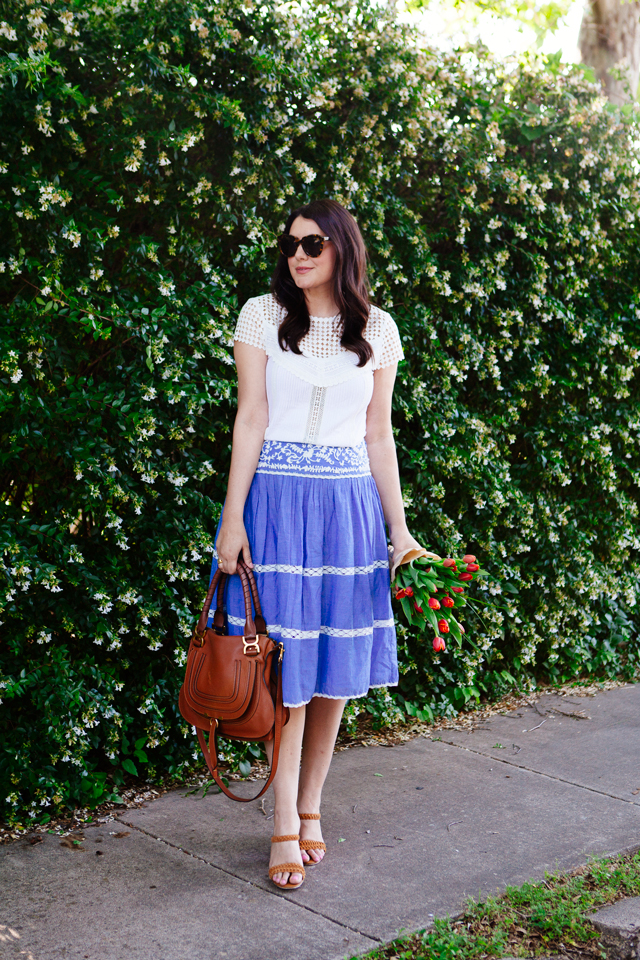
(285, 458)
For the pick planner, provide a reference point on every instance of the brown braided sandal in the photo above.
(312, 844)
(286, 867)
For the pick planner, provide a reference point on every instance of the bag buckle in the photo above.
(198, 636)
(251, 647)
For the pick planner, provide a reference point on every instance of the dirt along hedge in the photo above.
(150, 153)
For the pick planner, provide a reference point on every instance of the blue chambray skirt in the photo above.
(315, 525)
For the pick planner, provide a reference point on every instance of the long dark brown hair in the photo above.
(350, 287)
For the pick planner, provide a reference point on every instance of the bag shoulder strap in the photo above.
(210, 751)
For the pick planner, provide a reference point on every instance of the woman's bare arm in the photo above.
(381, 447)
(248, 436)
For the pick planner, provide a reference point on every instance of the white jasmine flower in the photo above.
(8, 32)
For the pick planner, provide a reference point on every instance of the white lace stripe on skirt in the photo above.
(290, 633)
(317, 571)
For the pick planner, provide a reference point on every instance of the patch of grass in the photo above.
(548, 917)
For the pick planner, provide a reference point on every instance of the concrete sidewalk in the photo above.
(411, 831)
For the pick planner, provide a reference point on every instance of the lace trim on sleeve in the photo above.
(250, 325)
(391, 351)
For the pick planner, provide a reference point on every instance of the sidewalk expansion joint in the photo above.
(540, 773)
(257, 886)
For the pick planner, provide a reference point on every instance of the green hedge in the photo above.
(151, 151)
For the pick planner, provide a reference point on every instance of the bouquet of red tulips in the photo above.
(430, 590)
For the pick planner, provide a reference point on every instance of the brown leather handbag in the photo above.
(233, 685)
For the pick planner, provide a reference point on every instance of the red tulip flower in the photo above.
(465, 576)
(449, 562)
(458, 589)
(439, 644)
(447, 602)
(443, 626)
(434, 604)
(417, 608)
(468, 558)
(404, 592)
(473, 567)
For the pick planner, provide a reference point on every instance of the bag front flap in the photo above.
(221, 674)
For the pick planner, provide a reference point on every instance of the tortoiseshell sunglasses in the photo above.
(313, 244)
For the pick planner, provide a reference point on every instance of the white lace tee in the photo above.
(321, 396)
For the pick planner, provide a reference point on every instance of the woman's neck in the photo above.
(320, 302)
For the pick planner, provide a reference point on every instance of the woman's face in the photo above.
(310, 273)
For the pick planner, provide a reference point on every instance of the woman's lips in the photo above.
(303, 269)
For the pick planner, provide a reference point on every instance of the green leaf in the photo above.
(454, 628)
(532, 133)
(431, 617)
(407, 609)
(588, 73)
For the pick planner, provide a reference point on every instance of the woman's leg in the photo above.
(285, 788)
(320, 732)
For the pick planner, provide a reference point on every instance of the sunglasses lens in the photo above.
(313, 245)
(287, 245)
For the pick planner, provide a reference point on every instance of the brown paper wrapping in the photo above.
(406, 556)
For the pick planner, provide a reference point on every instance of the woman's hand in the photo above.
(232, 540)
(405, 549)
(403, 541)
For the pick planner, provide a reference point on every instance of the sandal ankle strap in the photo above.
(309, 816)
(287, 836)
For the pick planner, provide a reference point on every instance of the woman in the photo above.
(307, 501)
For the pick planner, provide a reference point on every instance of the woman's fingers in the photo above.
(246, 555)
(232, 543)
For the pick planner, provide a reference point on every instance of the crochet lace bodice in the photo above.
(323, 338)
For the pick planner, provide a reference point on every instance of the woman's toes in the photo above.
(305, 856)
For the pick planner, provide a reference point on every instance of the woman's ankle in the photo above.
(286, 821)
(308, 804)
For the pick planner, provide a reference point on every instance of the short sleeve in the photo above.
(391, 351)
(250, 325)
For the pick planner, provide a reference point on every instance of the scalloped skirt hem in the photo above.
(352, 696)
